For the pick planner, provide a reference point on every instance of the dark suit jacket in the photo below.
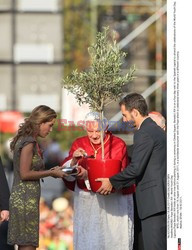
(4, 189)
(147, 168)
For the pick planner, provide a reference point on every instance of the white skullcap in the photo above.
(95, 116)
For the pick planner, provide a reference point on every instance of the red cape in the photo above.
(115, 148)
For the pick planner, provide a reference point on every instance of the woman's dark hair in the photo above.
(30, 127)
(135, 101)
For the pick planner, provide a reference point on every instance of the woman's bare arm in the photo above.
(27, 174)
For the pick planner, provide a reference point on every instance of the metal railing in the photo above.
(145, 94)
(125, 41)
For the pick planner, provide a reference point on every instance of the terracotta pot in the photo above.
(101, 169)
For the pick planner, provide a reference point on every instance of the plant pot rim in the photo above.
(103, 160)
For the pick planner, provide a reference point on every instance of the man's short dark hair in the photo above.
(135, 101)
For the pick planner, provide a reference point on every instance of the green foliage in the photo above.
(103, 81)
(77, 34)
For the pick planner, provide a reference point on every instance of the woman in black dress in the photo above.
(28, 170)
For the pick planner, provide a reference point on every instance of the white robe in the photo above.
(103, 222)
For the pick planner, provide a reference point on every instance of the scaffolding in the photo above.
(156, 11)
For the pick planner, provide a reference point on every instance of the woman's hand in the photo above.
(4, 215)
(57, 167)
(77, 155)
(83, 174)
(57, 172)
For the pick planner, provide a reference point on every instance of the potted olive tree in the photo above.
(102, 83)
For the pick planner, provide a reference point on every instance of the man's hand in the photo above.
(4, 215)
(106, 186)
(77, 155)
(82, 173)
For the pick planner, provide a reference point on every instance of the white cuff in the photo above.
(87, 184)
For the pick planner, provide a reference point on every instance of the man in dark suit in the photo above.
(4, 210)
(147, 169)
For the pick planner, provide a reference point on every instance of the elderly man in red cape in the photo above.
(100, 222)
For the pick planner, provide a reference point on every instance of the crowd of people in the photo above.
(56, 226)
